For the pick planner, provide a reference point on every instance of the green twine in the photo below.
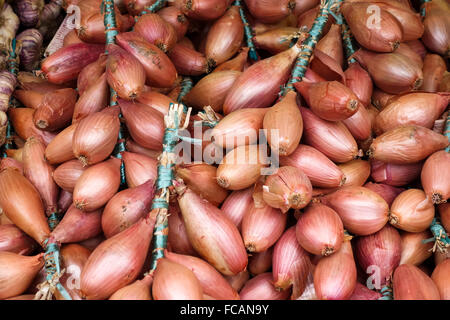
(53, 221)
(248, 32)
(186, 86)
(347, 39)
(52, 266)
(439, 234)
(160, 243)
(386, 292)
(158, 5)
(423, 10)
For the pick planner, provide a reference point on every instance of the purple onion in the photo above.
(30, 50)
(29, 11)
(7, 85)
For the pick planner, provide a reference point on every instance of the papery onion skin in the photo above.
(435, 176)
(90, 73)
(94, 99)
(410, 283)
(12, 239)
(189, 62)
(175, 17)
(236, 64)
(11, 163)
(363, 293)
(202, 9)
(139, 168)
(359, 81)
(270, 11)
(237, 204)
(173, 281)
(22, 121)
(178, 240)
(414, 251)
(356, 172)
(360, 124)
(362, 211)
(387, 192)
(434, 68)
(156, 100)
(67, 174)
(60, 149)
(441, 278)
(261, 288)
(319, 230)
(138, 290)
(260, 262)
(381, 249)
(395, 174)
(436, 34)
(65, 200)
(444, 213)
(407, 144)
(275, 40)
(155, 30)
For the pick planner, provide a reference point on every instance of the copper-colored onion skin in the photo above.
(276, 40)
(155, 30)
(435, 176)
(22, 121)
(361, 292)
(136, 148)
(409, 53)
(260, 262)
(159, 70)
(285, 119)
(71, 38)
(174, 281)
(360, 124)
(261, 288)
(202, 9)
(156, 100)
(212, 282)
(237, 204)
(238, 128)
(381, 249)
(212, 234)
(94, 99)
(270, 11)
(356, 172)
(441, 277)
(55, 110)
(411, 283)
(258, 86)
(412, 211)
(236, 64)
(358, 80)
(387, 192)
(440, 257)
(175, 17)
(241, 167)
(331, 44)
(212, 90)
(335, 275)
(262, 227)
(433, 72)
(77, 226)
(29, 98)
(65, 200)
(409, 20)
(11, 163)
(126, 207)
(321, 171)
(139, 168)
(39, 173)
(96, 135)
(178, 240)
(90, 74)
(407, 144)
(395, 174)
(436, 35)
(21, 203)
(12, 239)
(97, 185)
(420, 109)
(391, 72)
(385, 38)
(201, 178)
(362, 211)
(238, 281)
(145, 124)
(291, 264)
(67, 174)
(331, 138)
(117, 261)
(319, 230)
(138, 290)
(17, 272)
(189, 62)
(414, 251)
(444, 213)
(60, 149)
(381, 99)
(124, 73)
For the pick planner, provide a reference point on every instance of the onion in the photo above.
(124, 73)
(395, 174)
(387, 192)
(259, 85)
(31, 46)
(65, 64)
(420, 109)
(418, 47)
(291, 264)
(177, 238)
(12, 239)
(202, 9)
(238, 281)
(433, 72)
(55, 110)
(260, 262)
(383, 36)
(261, 288)
(145, 124)
(29, 11)
(96, 135)
(65, 200)
(22, 121)
(159, 70)
(17, 272)
(39, 173)
(117, 261)
(358, 80)
(356, 172)
(441, 278)
(90, 74)
(363, 293)
(71, 38)
(277, 40)
(414, 251)
(411, 283)
(174, 281)
(225, 36)
(410, 21)
(331, 44)
(381, 99)
(391, 72)
(156, 100)
(288, 188)
(211, 234)
(335, 275)
(444, 213)
(331, 138)
(319, 230)
(189, 62)
(270, 11)
(60, 149)
(94, 99)
(138, 290)
(235, 64)
(362, 211)
(237, 204)
(138, 168)
(97, 185)
(439, 257)
(321, 171)
(11, 163)
(175, 17)
(126, 207)
(8, 83)
(436, 35)
(436, 175)
(381, 249)
(241, 167)
(212, 282)
(211, 90)
(21, 203)
(285, 119)
(135, 7)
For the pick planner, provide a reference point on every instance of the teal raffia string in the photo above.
(158, 5)
(186, 86)
(386, 293)
(111, 33)
(423, 9)
(347, 38)
(440, 237)
(248, 32)
(53, 220)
